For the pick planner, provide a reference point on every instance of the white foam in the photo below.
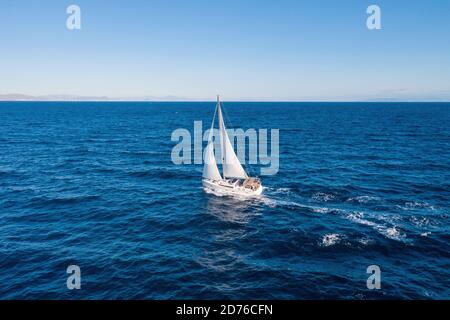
(384, 224)
(281, 191)
(389, 232)
(320, 210)
(417, 205)
(420, 221)
(363, 199)
(330, 239)
(393, 232)
(322, 196)
(365, 241)
(272, 203)
(358, 217)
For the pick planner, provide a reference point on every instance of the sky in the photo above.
(289, 50)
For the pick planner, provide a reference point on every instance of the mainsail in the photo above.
(231, 166)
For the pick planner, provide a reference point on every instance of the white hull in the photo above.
(227, 188)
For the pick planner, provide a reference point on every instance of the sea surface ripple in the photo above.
(92, 184)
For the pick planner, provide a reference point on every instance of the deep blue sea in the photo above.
(93, 184)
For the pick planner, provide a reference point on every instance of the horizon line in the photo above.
(249, 101)
(17, 97)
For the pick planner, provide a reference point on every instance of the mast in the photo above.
(221, 133)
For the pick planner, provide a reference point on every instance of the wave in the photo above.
(273, 203)
(279, 190)
(103, 140)
(389, 225)
(160, 174)
(364, 199)
(330, 239)
(420, 221)
(391, 232)
(8, 172)
(323, 197)
(388, 230)
(105, 169)
(365, 241)
(69, 199)
(416, 205)
(141, 153)
(320, 209)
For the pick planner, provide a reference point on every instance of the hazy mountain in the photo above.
(68, 97)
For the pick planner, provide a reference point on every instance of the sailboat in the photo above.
(233, 180)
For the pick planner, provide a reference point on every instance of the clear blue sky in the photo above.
(242, 49)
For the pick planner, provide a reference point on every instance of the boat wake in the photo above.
(390, 226)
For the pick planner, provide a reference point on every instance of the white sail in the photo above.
(231, 166)
(210, 169)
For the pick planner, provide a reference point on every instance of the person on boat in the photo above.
(252, 183)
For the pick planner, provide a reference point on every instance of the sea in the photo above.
(360, 187)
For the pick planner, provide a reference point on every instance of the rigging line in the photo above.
(214, 118)
(211, 131)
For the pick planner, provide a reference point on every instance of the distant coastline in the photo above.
(78, 98)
